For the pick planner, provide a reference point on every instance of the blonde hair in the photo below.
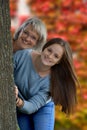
(38, 26)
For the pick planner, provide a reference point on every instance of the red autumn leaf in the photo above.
(65, 3)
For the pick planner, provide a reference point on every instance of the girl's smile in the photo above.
(52, 54)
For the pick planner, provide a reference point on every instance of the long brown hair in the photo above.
(63, 78)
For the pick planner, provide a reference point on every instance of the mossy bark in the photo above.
(7, 98)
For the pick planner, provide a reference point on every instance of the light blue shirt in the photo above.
(33, 89)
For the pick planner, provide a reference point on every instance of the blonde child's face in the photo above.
(28, 38)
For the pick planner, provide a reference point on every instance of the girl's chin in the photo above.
(46, 64)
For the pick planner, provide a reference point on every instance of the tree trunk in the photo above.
(7, 98)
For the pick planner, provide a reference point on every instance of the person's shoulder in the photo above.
(22, 52)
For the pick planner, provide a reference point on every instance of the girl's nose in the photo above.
(51, 56)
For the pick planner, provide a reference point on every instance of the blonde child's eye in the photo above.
(33, 37)
(25, 32)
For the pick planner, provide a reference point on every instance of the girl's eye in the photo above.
(49, 50)
(56, 56)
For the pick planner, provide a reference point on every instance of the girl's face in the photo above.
(52, 54)
(27, 38)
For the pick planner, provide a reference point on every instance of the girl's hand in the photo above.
(19, 102)
(16, 92)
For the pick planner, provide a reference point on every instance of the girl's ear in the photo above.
(58, 61)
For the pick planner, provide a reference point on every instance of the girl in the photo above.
(44, 79)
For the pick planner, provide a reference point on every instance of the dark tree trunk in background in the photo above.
(7, 98)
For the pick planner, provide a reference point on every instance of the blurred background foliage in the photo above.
(66, 19)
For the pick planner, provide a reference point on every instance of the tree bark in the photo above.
(7, 98)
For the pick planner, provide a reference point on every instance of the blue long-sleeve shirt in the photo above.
(33, 89)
